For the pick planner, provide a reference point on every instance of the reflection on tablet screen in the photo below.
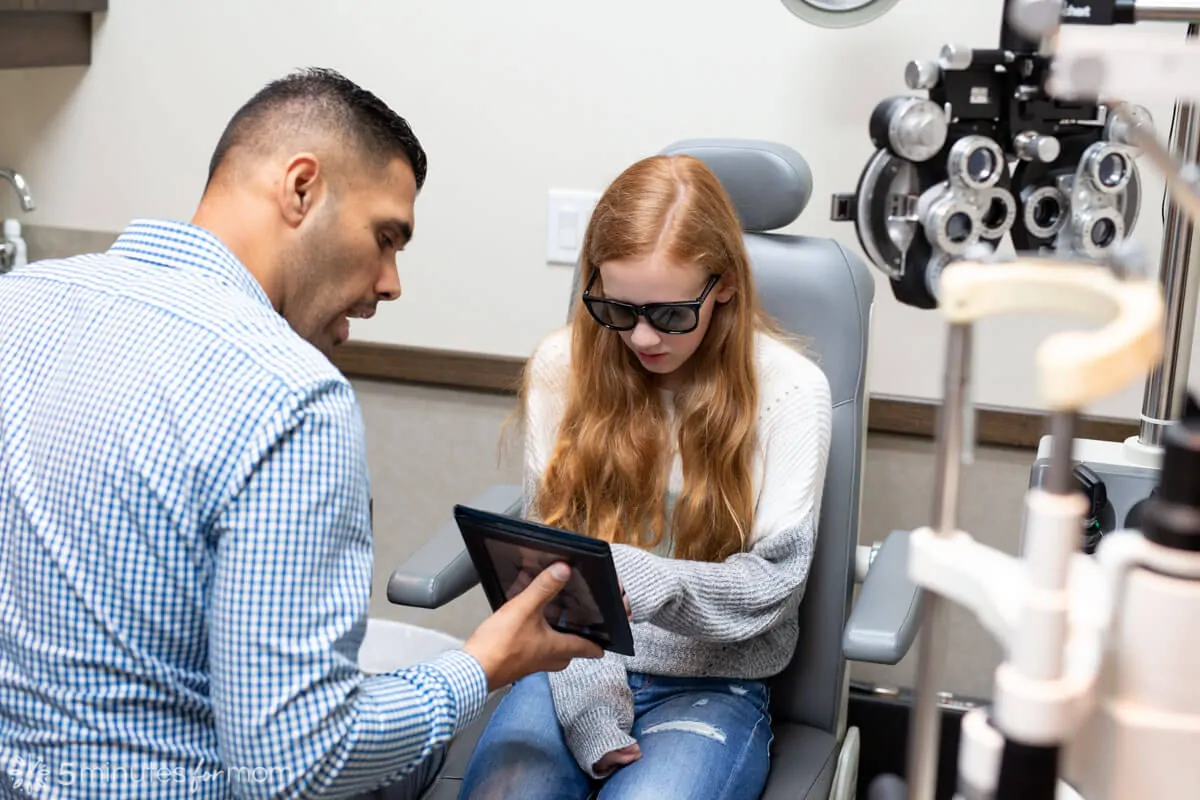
(574, 608)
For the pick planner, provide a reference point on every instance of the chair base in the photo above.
(845, 780)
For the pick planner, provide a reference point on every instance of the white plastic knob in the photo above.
(1035, 19)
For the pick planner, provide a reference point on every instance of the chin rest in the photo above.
(823, 293)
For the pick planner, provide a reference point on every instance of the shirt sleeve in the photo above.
(289, 596)
(750, 592)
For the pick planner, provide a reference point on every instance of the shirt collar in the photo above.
(181, 245)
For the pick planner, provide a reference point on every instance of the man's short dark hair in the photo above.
(321, 99)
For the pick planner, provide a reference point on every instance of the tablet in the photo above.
(509, 553)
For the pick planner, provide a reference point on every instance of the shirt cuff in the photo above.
(468, 684)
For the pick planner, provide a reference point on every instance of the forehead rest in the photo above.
(769, 183)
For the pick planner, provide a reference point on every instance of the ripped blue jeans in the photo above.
(701, 739)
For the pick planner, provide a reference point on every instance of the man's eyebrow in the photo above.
(403, 228)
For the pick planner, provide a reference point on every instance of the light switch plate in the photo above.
(568, 212)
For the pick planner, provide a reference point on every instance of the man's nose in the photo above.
(388, 286)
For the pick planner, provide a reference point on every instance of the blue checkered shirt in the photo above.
(185, 544)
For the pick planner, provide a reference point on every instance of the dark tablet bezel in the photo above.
(592, 558)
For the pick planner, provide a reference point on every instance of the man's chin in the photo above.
(326, 344)
(333, 337)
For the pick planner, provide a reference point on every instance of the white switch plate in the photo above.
(567, 218)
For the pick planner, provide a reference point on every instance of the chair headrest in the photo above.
(769, 183)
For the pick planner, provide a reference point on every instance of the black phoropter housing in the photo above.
(1029, 106)
(998, 94)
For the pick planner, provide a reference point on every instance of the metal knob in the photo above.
(1125, 122)
(919, 75)
(918, 130)
(956, 57)
(1032, 146)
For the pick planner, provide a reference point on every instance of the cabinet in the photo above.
(47, 33)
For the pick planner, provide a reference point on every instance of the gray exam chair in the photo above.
(818, 289)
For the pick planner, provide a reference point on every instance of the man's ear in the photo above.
(303, 184)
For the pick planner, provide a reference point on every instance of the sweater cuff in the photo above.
(647, 587)
(592, 735)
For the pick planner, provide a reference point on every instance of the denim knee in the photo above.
(522, 753)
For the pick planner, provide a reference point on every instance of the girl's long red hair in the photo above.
(607, 476)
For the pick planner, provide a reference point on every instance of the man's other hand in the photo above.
(517, 641)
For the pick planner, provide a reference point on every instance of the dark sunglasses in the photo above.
(681, 317)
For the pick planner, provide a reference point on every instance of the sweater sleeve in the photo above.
(751, 591)
(594, 706)
(592, 700)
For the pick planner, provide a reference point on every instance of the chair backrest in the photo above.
(819, 290)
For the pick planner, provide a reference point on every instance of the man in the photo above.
(186, 552)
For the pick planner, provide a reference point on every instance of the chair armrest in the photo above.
(885, 618)
(441, 570)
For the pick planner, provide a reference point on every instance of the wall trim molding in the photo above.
(493, 374)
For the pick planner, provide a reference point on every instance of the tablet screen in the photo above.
(573, 609)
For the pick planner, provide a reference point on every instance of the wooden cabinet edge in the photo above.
(42, 38)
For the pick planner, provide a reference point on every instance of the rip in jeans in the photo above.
(687, 726)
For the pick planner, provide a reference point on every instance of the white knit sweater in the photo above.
(734, 619)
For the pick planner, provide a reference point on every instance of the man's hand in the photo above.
(516, 641)
(617, 758)
(531, 564)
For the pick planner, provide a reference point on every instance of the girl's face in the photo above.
(651, 280)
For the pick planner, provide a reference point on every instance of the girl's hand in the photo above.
(617, 758)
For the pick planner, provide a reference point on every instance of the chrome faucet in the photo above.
(22, 187)
(7, 250)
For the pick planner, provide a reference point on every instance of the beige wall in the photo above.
(554, 95)
(430, 448)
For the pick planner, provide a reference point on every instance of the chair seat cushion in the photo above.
(803, 763)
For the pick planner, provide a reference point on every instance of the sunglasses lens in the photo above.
(673, 319)
(612, 315)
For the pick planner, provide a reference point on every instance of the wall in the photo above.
(510, 100)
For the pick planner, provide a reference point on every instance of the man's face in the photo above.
(343, 263)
